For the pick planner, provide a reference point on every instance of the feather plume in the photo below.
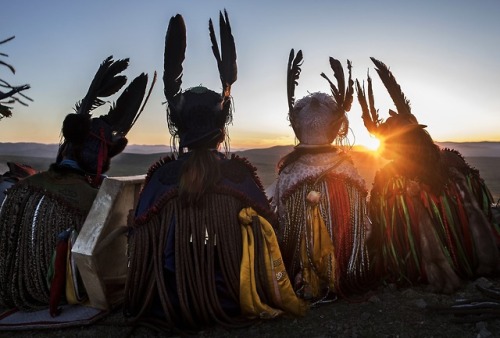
(175, 50)
(144, 102)
(370, 123)
(293, 74)
(215, 45)
(371, 100)
(123, 113)
(333, 88)
(111, 82)
(338, 71)
(400, 101)
(106, 82)
(228, 69)
(350, 89)
(342, 96)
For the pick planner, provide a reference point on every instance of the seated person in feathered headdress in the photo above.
(319, 195)
(50, 207)
(430, 210)
(202, 249)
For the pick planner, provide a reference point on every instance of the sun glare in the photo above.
(372, 144)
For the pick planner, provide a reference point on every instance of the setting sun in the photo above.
(372, 143)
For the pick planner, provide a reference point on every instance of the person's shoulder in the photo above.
(452, 158)
(241, 172)
(452, 154)
(237, 168)
(164, 167)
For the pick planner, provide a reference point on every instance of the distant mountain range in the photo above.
(50, 150)
(467, 149)
(137, 159)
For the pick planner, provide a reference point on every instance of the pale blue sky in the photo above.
(445, 54)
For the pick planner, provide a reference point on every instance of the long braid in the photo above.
(183, 264)
(160, 236)
(194, 270)
(216, 203)
(233, 242)
(199, 279)
(209, 269)
(140, 277)
(201, 264)
(229, 254)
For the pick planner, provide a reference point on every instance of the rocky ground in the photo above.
(386, 312)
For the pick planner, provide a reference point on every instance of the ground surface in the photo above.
(386, 312)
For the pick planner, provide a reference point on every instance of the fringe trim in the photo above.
(202, 250)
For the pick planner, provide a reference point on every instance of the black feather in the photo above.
(175, 50)
(153, 82)
(215, 45)
(342, 96)
(228, 69)
(369, 122)
(371, 100)
(228, 48)
(292, 76)
(400, 101)
(338, 72)
(106, 82)
(112, 82)
(123, 113)
(350, 89)
(333, 88)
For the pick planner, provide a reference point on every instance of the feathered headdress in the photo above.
(10, 96)
(319, 118)
(198, 115)
(91, 142)
(397, 122)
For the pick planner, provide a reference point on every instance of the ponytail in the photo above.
(199, 174)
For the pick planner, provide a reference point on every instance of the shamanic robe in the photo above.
(35, 211)
(215, 262)
(323, 225)
(418, 231)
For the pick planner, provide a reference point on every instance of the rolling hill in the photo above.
(485, 156)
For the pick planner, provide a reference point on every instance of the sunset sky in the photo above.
(445, 54)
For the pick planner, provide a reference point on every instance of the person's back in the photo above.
(202, 240)
(42, 214)
(202, 246)
(320, 197)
